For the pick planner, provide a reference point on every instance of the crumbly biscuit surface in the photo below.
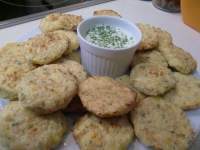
(75, 68)
(186, 94)
(152, 79)
(59, 21)
(161, 125)
(47, 89)
(125, 79)
(13, 66)
(179, 59)
(164, 38)
(149, 37)
(106, 97)
(73, 40)
(92, 133)
(153, 56)
(21, 129)
(106, 12)
(45, 48)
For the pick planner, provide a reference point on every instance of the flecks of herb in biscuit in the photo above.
(92, 133)
(152, 79)
(179, 59)
(46, 48)
(59, 21)
(186, 94)
(47, 89)
(125, 79)
(13, 66)
(22, 129)
(151, 56)
(106, 97)
(161, 125)
(149, 37)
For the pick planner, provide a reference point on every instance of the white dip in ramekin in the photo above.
(111, 55)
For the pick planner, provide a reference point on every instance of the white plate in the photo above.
(69, 142)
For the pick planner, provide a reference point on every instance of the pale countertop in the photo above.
(134, 10)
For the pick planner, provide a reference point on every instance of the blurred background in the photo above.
(11, 9)
(18, 8)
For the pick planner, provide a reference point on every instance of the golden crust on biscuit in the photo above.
(179, 59)
(106, 12)
(164, 38)
(106, 97)
(151, 56)
(45, 48)
(186, 94)
(152, 79)
(125, 79)
(21, 129)
(13, 66)
(149, 37)
(73, 40)
(161, 125)
(47, 89)
(59, 21)
(75, 68)
(92, 133)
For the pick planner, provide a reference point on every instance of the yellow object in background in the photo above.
(190, 10)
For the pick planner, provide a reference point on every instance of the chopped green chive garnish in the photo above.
(108, 37)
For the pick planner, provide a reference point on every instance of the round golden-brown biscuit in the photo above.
(186, 94)
(106, 97)
(164, 38)
(75, 68)
(59, 21)
(149, 37)
(106, 12)
(45, 48)
(151, 56)
(125, 79)
(74, 19)
(152, 79)
(179, 59)
(21, 129)
(73, 40)
(47, 89)
(92, 133)
(13, 66)
(161, 125)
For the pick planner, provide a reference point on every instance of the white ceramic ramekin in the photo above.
(106, 61)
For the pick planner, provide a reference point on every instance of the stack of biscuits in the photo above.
(40, 77)
(43, 77)
(161, 75)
